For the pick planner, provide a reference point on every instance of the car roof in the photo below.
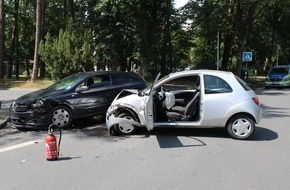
(91, 73)
(202, 71)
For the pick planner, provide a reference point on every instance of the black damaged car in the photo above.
(80, 95)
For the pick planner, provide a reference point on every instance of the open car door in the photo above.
(149, 106)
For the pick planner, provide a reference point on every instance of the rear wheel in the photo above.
(126, 129)
(61, 116)
(241, 127)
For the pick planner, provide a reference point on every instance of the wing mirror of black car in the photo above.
(82, 88)
(141, 93)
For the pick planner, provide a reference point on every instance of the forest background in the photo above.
(55, 38)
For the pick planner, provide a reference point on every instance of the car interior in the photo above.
(188, 112)
(98, 81)
(184, 106)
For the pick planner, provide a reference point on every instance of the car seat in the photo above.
(187, 113)
(89, 82)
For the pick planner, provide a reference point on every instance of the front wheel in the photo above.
(241, 127)
(61, 116)
(126, 129)
(4, 117)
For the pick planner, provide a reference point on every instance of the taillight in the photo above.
(256, 100)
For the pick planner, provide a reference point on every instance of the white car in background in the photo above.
(188, 99)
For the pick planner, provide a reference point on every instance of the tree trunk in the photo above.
(16, 37)
(27, 67)
(1, 40)
(239, 66)
(144, 43)
(227, 51)
(166, 63)
(37, 40)
(71, 8)
(41, 63)
(244, 19)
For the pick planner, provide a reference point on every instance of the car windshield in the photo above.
(67, 83)
(279, 71)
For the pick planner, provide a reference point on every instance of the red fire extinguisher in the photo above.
(51, 145)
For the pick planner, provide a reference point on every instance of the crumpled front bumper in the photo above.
(29, 120)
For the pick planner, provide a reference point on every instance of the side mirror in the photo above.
(141, 93)
(82, 88)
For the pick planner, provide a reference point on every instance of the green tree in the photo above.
(68, 53)
(1, 40)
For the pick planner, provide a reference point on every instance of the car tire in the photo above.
(4, 122)
(4, 118)
(61, 116)
(241, 127)
(126, 129)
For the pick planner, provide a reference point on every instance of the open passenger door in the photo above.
(149, 116)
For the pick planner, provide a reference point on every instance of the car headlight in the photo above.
(111, 109)
(13, 104)
(286, 78)
(38, 104)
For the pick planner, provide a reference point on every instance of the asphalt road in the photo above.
(163, 159)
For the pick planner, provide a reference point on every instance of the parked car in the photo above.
(195, 98)
(80, 95)
(278, 76)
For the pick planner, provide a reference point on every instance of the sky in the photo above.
(180, 3)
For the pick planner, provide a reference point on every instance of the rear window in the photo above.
(243, 84)
(214, 85)
(123, 78)
(134, 77)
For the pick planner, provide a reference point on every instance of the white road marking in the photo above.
(19, 145)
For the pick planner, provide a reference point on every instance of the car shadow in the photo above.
(87, 122)
(272, 91)
(264, 134)
(170, 137)
(269, 112)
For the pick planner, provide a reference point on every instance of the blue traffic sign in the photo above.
(247, 56)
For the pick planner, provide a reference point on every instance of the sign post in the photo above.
(247, 56)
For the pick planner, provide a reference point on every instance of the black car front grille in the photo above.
(18, 108)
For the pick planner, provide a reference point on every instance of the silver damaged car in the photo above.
(192, 99)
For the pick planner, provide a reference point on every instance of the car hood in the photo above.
(130, 97)
(27, 99)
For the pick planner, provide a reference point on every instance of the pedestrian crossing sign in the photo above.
(247, 56)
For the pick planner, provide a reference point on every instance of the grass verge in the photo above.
(25, 83)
